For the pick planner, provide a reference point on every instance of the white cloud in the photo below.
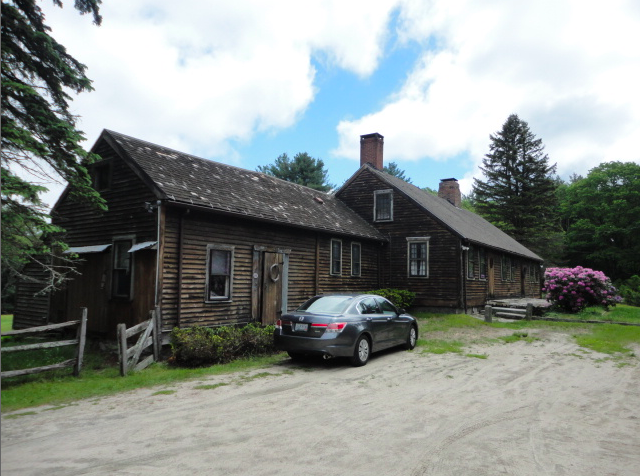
(193, 75)
(569, 68)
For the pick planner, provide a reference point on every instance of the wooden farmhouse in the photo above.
(211, 244)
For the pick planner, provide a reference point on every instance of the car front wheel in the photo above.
(362, 352)
(412, 338)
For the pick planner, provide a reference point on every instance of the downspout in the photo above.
(463, 280)
(159, 253)
(180, 249)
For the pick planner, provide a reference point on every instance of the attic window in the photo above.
(383, 205)
(102, 176)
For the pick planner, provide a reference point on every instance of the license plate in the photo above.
(301, 327)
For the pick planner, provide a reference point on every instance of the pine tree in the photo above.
(303, 170)
(518, 193)
(393, 169)
(38, 130)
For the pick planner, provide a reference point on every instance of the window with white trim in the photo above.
(336, 257)
(482, 257)
(418, 257)
(383, 205)
(356, 259)
(472, 256)
(506, 268)
(219, 285)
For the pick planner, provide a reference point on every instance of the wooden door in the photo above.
(491, 278)
(272, 279)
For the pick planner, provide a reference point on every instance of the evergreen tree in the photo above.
(393, 169)
(38, 130)
(303, 170)
(518, 193)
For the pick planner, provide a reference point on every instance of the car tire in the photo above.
(362, 352)
(412, 338)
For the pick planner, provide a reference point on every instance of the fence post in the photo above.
(122, 348)
(529, 313)
(82, 332)
(488, 314)
(155, 315)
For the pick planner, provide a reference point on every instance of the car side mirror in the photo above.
(402, 311)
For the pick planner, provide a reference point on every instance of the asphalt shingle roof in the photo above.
(186, 179)
(466, 224)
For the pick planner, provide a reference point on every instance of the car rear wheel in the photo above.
(362, 352)
(412, 338)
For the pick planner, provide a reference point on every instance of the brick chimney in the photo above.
(450, 191)
(371, 146)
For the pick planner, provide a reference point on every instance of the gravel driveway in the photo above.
(546, 407)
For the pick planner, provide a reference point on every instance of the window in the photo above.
(418, 257)
(514, 269)
(383, 205)
(219, 273)
(336, 257)
(482, 256)
(356, 252)
(472, 257)
(122, 268)
(102, 176)
(368, 306)
(386, 307)
(505, 268)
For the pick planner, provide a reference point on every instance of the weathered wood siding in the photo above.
(187, 234)
(441, 288)
(84, 226)
(32, 308)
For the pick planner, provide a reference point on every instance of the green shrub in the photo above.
(630, 291)
(201, 346)
(401, 298)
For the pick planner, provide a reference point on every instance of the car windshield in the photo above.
(331, 304)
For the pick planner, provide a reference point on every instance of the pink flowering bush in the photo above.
(573, 289)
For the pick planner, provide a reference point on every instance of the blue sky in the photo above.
(242, 82)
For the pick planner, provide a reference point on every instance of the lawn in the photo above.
(439, 333)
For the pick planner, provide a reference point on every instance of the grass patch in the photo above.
(619, 313)
(7, 322)
(102, 378)
(477, 356)
(210, 386)
(440, 346)
(430, 322)
(517, 337)
(610, 339)
(164, 392)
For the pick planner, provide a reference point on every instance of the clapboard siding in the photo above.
(32, 306)
(184, 280)
(441, 288)
(126, 214)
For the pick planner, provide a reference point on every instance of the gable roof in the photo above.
(462, 222)
(185, 179)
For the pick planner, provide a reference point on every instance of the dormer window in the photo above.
(383, 205)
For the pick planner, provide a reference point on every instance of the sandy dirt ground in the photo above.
(545, 407)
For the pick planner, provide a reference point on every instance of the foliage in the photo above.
(38, 130)
(303, 170)
(630, 291)
(401, 298)
(573, 289)
(199, 346)
(518, 192)
(600, 214)
(393, 169)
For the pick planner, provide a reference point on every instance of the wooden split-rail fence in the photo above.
(79, 342)
(150, 336)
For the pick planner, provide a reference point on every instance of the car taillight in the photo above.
(280, 323)
(336, 327)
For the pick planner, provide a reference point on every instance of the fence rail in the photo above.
(79, 341)
(150, 335)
